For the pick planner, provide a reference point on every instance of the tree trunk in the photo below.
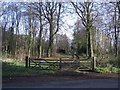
(87, 47)
(116, 37)
(91, 43)
(17, 39)
(89, 30)
(51, 39)
(118, 21)
(40, 32)
(40, 40)
(30, 34)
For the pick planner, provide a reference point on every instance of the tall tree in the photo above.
(62, 44)
(30, 30)
(50, 10)
(118, 25)
(79, 37)
(84, 11)
(37, 11)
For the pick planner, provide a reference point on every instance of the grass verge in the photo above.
(107, 69)
(18, 68)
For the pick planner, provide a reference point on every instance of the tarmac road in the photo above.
(90, 83)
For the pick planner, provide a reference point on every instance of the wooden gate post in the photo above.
(26, 61)
(60, 66)
(29, 62)
(93, 63)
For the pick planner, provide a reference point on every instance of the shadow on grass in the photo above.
(11, 69)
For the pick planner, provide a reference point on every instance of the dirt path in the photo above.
(60, 76)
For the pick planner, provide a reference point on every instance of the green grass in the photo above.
(109, 65)
(85, 64)
(18, 68)
(107, 69)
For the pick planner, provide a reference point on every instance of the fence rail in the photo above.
(58, 63)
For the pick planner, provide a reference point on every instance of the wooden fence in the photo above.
(58, 63)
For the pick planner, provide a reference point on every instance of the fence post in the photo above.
(29, 61)
(94, 63)
(60, 64)
(26, 61)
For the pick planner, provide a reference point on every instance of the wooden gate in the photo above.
(60, 63)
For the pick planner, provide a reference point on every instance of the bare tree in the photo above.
(30, 30)
(49, 10)
(84, 11)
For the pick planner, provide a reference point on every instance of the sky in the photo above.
(68, 25)
(58, 0)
